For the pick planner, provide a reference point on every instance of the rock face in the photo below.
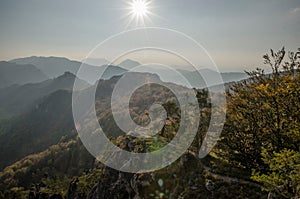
(113, 184)
(118, 185)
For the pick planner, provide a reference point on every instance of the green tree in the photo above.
(283, 177)
(263, 111)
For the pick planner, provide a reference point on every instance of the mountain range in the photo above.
(56, 66)
(17, 99)
(12, 73)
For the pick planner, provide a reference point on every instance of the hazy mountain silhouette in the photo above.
(12, 73)
(96, 61)
(51, 66)
(17, 99)
(195, 79)
(55, 66)
(129, 64)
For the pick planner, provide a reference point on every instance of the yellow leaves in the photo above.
(263, 87)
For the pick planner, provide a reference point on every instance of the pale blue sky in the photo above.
(236, 33)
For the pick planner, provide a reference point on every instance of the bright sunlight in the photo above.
(139, 8)
(139, 11)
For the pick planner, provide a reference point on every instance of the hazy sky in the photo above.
(235, 32)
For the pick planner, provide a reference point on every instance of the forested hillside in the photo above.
(257, 155)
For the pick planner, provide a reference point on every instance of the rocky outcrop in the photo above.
(182, 180)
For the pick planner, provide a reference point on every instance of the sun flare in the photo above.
(139, 8)
(139, 11)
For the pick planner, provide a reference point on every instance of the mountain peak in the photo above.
(68, 74)
(129, 64)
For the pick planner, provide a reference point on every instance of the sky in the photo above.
(235, 33)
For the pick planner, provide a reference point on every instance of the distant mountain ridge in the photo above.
(17, 99)
(52, 66)
(12, 73)
(129, 64)
(198, 78)
(95, 61)
(56, 66)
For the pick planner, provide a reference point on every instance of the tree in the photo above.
(283, 178)
(263, 112)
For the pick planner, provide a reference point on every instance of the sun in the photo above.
(138, 11)
(139, 8)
